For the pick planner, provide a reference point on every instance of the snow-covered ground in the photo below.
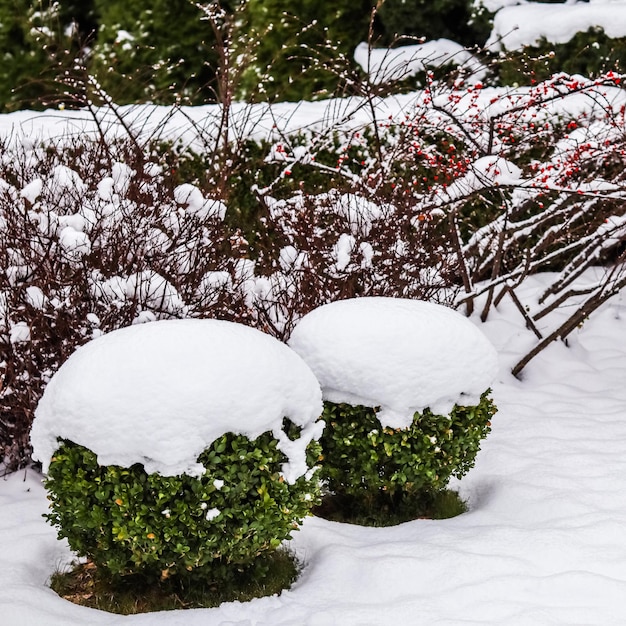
(542, 542)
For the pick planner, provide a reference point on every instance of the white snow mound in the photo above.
(400, 355)
(160, 393)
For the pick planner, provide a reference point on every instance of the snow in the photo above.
(211, 514)
(19, 333)
(147, 286)
(384, 65)
(190, 196)
(35, 297)
(516, 24)
(121, 175)
(525, 25)
(342, 251)
(65, 179)
(160, 393)
(74, 242)
(484, 173)
(32, 191)
(359, 212)
(193, 127)
(401, 355)
(542, 542)
(156, 291)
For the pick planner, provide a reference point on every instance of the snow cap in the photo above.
(160, 393)
(397, 354)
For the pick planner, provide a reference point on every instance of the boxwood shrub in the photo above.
(207, 529)
(372, 466)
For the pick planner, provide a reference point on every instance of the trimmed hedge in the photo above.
(210, 528)
(372, 464)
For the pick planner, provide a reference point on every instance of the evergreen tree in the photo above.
(81, 15)
(38, 40)
(163, 51)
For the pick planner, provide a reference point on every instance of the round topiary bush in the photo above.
(209, 527)
(370, 467)
(180, 449)
(406, 389)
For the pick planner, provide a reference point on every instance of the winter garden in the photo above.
(351, 361)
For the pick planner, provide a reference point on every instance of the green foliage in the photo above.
(457, 20)
(372, 464)
(299, 45)
(209, 528)
(587, 53)
(37, 42)
(154, 50)
(82, 13)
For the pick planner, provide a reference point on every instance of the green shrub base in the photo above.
(205, 529)
(88, 586)
(377, 509)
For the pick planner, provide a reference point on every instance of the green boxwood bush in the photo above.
(206, 529)
(376, 466)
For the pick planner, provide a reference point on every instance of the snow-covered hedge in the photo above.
(209, 527)
(92, 241)
(183, 448)
(451, 189)
(369, 467)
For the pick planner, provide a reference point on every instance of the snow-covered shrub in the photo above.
(92, 240)
(406, 390)
(452, 194)
(96, 236)
(183, 448)
(336, 245)
(377, 465)
(211, 527)
(535, 40)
